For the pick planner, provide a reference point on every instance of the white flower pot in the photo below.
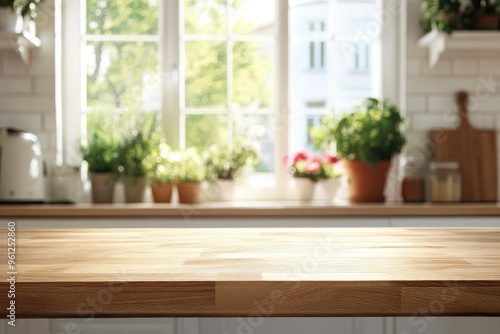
(222, 190)
(329, 189)
(302, 188)
(10, 21)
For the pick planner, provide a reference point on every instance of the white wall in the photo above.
(27, 92)
(430, 92)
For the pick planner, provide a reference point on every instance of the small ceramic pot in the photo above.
(135, 187)
(103, 187)
(330, 188)
(223, 190)
(303, 188)
(189, 192)
(162, 192)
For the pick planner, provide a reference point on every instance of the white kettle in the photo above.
(21, 167)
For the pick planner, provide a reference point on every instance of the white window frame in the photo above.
(69, 90)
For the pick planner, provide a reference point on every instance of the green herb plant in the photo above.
(225, 163)
(25, 7)
(137, 143)
(100, 149)
(160, 166)
(441, 14)
(189, 166)
(370, 134)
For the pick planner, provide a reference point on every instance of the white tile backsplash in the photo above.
(465, 66)
(27, 98)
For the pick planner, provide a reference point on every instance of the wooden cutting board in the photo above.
(475, 150)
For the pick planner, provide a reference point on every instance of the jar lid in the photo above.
(444, 164)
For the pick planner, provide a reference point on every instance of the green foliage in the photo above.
(160, 166)
(230, 163)
(100, 152)
(24, 6)
(371, 134)
(136, 144)
(443, 14)
(189, 165)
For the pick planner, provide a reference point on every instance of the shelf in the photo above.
(437, 42)
(21, 42)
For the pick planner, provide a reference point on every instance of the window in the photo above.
(222, 71)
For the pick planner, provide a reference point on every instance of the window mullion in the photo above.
(282, 118)
(171, 75)
(229, 72)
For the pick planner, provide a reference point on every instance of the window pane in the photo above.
(253, 74)
(206, 82)
(358, 18)
(354, 77)
(309, 84)
(257, 130)
(254, 17)
(123, 75)
(299, 131)
(205, 16)
(309, 18)
(128, 17)
(205, 130)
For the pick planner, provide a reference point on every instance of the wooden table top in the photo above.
(252, 209)
(242, 272)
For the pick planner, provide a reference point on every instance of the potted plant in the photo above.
(330, 177)
(133, 150)
(12, 13)
(100, 155)
(161, 173)
(486, 14)
(224, 165)
(440, 14)
(366, 140)
(190, 174)
(306, 169)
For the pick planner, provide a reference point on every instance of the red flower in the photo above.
(313, 164)
(300, 155)
(331, 159)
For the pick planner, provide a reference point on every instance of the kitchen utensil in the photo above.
(21, 167)
(476, 152)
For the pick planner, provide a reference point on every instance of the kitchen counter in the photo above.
(256, 271)
(253, 209)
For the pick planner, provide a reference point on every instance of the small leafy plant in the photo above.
(370, 134)
(160, 166)
(229, 163)
(441, 14)
(311, 166)
(24, 7)
(100, 150)
(189, 166)
(137, 144)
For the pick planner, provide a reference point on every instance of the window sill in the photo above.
(251, 209)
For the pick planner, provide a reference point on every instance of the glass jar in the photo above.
(413, 181)
(445, 181)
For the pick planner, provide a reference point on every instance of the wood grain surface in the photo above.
(475, 150)
(247, 272)
(251, 209)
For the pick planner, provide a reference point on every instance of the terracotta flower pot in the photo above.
(162, 192)
(188, 192)
(366, 184)
(486, 22)
(103, 187)
(135, 188)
